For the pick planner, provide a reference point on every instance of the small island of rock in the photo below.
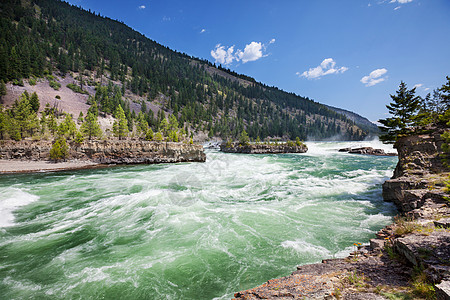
(264, 148)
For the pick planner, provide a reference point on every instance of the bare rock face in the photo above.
(263, 148)
(420, 172)
(108, 152)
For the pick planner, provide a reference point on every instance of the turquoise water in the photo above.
(185, 231)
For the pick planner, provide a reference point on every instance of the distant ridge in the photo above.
(359, 120)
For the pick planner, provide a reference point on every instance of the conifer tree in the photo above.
(403, 108)
(2, 89)
(149, 135)
(3, 123)
(67, 128)
(34, 102)
(120, 126)
(90, 126)
(51, 123)
(244, 139)
(159, 137)
(142, 125)
(445, 93)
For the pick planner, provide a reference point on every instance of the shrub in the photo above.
(76, 89)
(32, 81)
(54, 84)
(59, 150)
(149, 135)
(158, 137)
(18, 82)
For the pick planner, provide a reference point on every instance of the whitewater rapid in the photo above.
(188, 230)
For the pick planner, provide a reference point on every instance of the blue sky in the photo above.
(349, 53)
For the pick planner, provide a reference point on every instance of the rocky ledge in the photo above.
(367, 151)
(409, 259)
(107, 152)
(263, 148)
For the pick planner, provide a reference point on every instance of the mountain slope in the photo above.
(359, 120)
(45, 37)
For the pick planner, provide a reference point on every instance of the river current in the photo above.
(188, 230)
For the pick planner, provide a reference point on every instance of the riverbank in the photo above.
(410, 257)
(34, 156)
(18, 166)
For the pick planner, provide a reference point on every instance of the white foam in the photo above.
(304, 247)
(12, 199)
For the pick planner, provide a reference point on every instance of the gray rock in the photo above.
(443, 290)
(444, 223)
(376, 244)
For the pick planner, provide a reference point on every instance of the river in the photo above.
(187, 230)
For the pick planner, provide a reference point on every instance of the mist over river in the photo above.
(187, 230)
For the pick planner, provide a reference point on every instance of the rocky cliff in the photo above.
(108, 152)
(420, 173)
(408, 259)
(263, 148)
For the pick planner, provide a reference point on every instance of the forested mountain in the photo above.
(42, 38)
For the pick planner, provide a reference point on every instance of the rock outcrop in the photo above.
(367, 151)
(263, 148)
(108, 151)
(420, 173)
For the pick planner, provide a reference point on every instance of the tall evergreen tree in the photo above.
(403, 108)
(90, 126)
(34, 102)
(120, 126)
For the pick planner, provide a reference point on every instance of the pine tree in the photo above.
(120, 126)
(51, 123)
(3, 123)
(67, 128)
(445, 94)
(142, 125)
(23, 114)
(149, 135)
(34, 102)
(159, 137)
(403, 108)
(90, 126)
(244, 139)
(2, 90)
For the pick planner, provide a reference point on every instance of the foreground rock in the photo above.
(106, 152)
(263, 148)
(411, 256)
(367, 151)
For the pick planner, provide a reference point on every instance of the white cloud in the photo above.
(203, 30)
(142, 7)
(223, 56)
(326, 67)
(418, 85)
(375, 77)
(398, 7)
(251, 52)
(401, 1)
